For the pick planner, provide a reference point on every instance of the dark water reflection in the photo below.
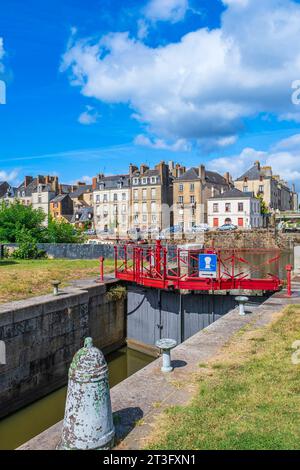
(32, 420)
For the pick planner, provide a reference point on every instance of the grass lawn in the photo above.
(248, 398)
(22, 279)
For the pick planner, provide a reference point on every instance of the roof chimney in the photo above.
(132, 169)
(257, 164)
(94, 183)
(143, 168)
(27, 180)
(202, 172)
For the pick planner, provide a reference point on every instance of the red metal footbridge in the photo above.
(179, 268)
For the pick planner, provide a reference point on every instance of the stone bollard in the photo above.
(88, 421)
(166, 345)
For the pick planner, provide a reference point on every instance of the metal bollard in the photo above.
(166, 345)
(289, 269)
(242, 300)
(88, 421)
(55, 285)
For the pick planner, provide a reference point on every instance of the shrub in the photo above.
(28, 248)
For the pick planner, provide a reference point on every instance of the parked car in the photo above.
(200, 228)
(227, 227)
(165, 233)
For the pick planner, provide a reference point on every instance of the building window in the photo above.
(145, 218)
(136, 194)
(98, 198)
(240, 206)
(192, 199)
(135, 181)
(144, 208)
(153, 193)
(144, 194)
(227, 207)
(216, 207)
(180, 199)
(261, 188)
(154, 219)
(181, 188)
(104, 197)
(192, 187)
(123, 196)
(136, 208)
(123, 208)
(39, 200)
(153, 180)
(144, 180)
(153, 206)
(245, 189)
(115, 197)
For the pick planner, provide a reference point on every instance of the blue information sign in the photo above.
(208, 264)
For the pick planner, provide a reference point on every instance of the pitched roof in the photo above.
(80, 190)
(60, 197)
(112, 182)
(210, 176)
(254, 173)
(234, 194)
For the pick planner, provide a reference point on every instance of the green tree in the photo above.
(263, 206)
(59, 231)
(17, 218)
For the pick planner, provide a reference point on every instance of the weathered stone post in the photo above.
(88, 422)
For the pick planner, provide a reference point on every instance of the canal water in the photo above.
(30, 421)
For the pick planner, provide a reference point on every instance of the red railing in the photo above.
(153, 266)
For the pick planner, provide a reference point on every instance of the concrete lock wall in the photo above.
(153, 314)
(72, 250)
(42, 334)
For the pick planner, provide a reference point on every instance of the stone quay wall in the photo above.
(42, 334)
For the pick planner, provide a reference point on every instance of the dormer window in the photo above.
(102, 186)
(153, 179)
(144, 180)
(120, 184)
(135, 181)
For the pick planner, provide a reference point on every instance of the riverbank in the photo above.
(140, 399)
(21, 279)
(246, 398)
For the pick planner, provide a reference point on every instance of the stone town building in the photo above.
(234, 207)
(276, 193)
(38, 192)
(152, 196)
(61, 207)
(191, 191)
(112, 204)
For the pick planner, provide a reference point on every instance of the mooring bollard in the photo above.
(166, 345)
(88, 421)
(101, 259)
(56, 285)
(289, 269)
(242, 300)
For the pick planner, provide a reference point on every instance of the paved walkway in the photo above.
(139, 399)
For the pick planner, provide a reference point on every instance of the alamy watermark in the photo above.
(2, 92)
(296, 354)
(2, 353)
(296, 93)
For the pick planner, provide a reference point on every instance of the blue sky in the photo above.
(94, 85)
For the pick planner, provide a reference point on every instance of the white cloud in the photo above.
(86, 179)
(203, 86)
(181, 145)
(284, 157)
(89, 116)
(1, 54)
(10, 176)
(166, 10)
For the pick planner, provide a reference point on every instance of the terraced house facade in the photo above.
(191, 191)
